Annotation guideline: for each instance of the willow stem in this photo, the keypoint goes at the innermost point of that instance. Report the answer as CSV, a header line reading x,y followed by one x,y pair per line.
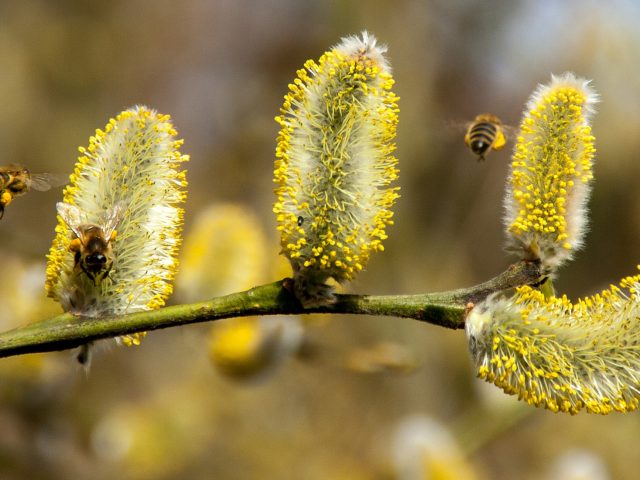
x,y
446,309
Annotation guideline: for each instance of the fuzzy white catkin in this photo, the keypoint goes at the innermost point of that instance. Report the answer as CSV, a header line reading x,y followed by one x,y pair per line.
x,y
335,164
134,163
551,173
562,355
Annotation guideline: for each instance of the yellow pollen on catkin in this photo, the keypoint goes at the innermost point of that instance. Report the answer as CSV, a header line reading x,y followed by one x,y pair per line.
x,y
134,166
551,173
334,164
559,355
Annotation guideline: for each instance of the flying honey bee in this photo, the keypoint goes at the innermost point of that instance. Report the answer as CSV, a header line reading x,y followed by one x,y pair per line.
x,y
92,250
16,180
484,134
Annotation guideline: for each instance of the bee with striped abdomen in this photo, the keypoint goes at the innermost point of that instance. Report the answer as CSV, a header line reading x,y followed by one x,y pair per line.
x,y
91,246
484,134
16,180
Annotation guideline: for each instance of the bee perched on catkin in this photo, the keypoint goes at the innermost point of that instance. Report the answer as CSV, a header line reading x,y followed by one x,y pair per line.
x,y
334,165
551,173
120,222
560,355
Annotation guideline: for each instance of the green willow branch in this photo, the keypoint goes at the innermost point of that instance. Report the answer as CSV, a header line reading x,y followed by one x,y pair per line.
x,y
446,309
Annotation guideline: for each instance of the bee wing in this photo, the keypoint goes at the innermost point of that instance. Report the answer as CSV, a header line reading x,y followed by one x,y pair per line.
x,y
454,127
510,131
112,218
45,181
72,216
12,168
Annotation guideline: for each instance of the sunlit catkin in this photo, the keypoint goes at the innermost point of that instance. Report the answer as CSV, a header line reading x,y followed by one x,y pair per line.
x,y
551,173
132,168
334,165
560,355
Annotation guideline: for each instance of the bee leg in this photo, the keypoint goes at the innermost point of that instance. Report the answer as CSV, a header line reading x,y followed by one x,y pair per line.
x,y
74,246
107,274
76,258
84,355
88,273
5,198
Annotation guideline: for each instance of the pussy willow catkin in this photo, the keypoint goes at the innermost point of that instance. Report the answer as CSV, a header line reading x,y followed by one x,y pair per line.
x,y
132,166
551,173
560,355
334,165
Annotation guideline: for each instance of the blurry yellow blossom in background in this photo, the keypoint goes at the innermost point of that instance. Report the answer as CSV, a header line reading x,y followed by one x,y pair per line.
x,y
23,301
225,251
424,449
246,347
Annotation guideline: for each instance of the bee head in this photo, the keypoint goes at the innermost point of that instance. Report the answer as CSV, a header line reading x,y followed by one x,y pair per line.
x,y
96,266
95,261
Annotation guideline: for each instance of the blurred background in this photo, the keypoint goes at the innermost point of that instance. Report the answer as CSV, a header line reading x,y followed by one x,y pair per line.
x,y
321,397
